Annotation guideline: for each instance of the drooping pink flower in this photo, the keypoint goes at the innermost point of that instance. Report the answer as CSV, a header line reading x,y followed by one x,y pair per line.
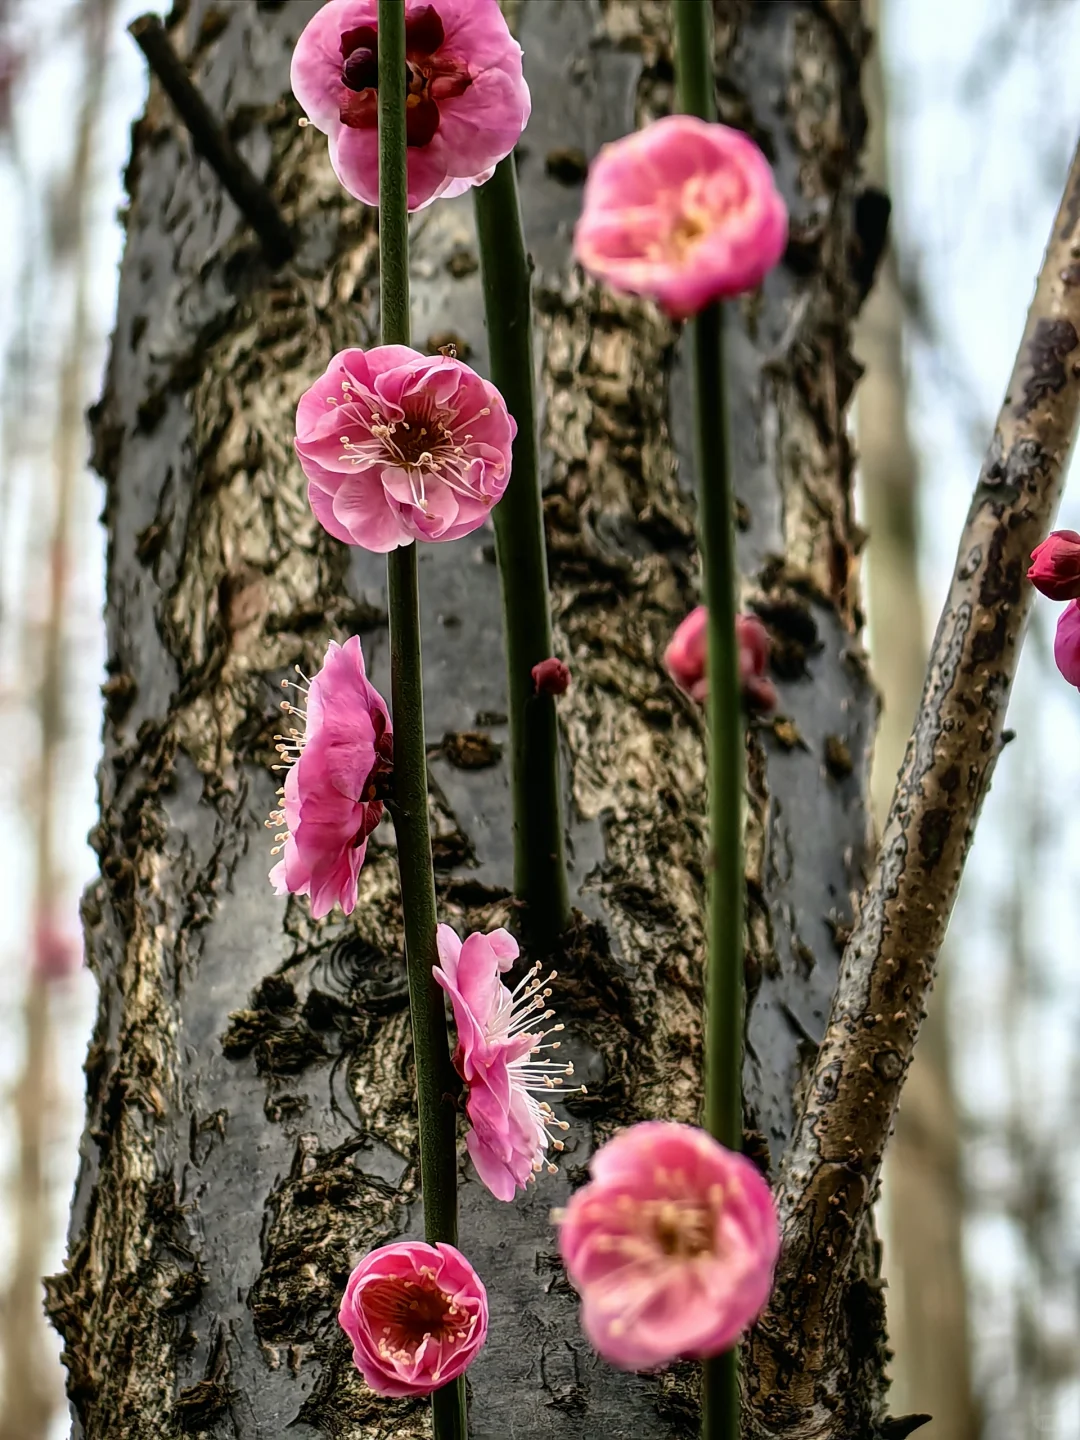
x,y
1055,570
1067,643
686,658
509,1138
683,211
399,446
467,100
671,1246
339,767
551,677
417,1316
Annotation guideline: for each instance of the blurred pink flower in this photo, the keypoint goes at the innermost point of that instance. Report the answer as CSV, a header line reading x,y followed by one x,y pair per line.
x,y
671,1246
1056,568
417,1316
754,645
551,677
338,771
683,211
1067,643
467,100
509,1136
686,658
58,952
399,446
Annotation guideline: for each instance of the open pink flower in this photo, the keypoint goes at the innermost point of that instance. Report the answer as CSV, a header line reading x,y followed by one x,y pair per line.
x,y
671,1246
509,1138
686,658
683,211
1067,643
399,446
1055,569
332,796
417,1316
467,100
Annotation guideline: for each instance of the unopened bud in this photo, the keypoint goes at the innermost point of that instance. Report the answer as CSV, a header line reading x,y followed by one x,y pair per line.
x,y
551,677
1055,570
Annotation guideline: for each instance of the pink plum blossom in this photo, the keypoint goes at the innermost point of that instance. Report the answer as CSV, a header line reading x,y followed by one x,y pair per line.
x,y
417,1316
1067,643
467,100
686,658
1055,569
497,1039
671,1246
684,211
339,767
399,446
551,677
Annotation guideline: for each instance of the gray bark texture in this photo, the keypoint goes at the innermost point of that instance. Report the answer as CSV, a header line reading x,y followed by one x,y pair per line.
x,y
250,1127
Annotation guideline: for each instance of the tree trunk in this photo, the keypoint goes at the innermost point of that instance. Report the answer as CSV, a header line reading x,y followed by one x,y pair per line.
x,y
250,1116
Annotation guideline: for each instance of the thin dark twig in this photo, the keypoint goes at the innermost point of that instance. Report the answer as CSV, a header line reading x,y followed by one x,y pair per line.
x,y
253,199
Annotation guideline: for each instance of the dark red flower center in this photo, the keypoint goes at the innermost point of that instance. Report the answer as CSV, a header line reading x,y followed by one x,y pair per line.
x,y
429,77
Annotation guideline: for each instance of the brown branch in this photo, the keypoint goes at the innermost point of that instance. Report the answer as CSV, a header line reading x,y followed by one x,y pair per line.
x,y
208,136
801,1366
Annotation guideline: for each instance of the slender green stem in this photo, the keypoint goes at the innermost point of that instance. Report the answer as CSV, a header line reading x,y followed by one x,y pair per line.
x,y
431,1054
539,861
724,961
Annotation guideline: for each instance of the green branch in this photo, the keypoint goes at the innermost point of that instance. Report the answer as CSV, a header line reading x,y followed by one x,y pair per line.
x,y
724,1003
539,862
434,1075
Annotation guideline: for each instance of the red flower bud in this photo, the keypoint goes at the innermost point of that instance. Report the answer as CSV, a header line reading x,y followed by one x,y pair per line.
x,y
1056,568
551,677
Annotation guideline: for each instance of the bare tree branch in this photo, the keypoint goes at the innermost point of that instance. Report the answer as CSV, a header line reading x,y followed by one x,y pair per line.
x,y
830,1172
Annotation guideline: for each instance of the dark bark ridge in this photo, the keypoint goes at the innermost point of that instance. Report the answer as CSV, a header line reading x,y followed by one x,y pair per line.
x,y
250,1119
830,1172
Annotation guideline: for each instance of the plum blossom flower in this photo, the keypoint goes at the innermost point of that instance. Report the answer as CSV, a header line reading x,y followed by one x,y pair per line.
x,y
1055,570
417,1316
686,658
399,446
683,211
551,676
338,770
467,101
497,1039
1067,643
671,1246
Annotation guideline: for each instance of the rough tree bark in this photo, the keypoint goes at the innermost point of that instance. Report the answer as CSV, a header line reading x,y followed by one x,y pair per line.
x,y
250,1125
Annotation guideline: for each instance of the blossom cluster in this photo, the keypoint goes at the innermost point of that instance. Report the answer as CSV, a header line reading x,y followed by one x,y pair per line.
x,y
672,1242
